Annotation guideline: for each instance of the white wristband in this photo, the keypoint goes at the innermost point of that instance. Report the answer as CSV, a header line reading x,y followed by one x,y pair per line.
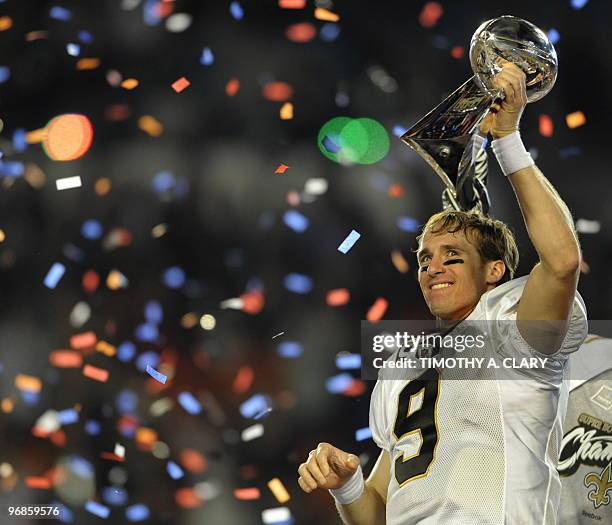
x,y
511,154
351,490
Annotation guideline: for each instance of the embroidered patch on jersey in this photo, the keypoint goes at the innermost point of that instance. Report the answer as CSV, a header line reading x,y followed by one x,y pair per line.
x,y
602,483
589,443
603,398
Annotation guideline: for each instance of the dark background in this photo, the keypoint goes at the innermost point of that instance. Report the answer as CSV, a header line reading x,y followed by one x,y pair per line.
x,y
224,217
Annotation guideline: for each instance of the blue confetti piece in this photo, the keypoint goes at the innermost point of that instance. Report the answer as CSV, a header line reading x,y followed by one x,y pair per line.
x,y
553,35
329,32
68,416
126,351
298,283
55,273
151,13
127,402
92,427
399,131
255,405
5,74
296,221
138,512
73,49
20,142
331,143
174,470
348,361
146,332
174,277
92,229
149,357
60,13
349,242
164,181
85,36
73,253
578,4
236,11
158,376
189,403
116,496
65,514
362,434
97,509
407,224
29,397
338,383
11,168
289,349
207,58
81,467
154,312
263,414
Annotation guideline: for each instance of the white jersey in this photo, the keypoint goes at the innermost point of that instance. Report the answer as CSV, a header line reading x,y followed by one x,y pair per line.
x,y
585,458
468,447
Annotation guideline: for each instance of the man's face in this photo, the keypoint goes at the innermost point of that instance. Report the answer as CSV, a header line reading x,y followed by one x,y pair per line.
x,y
452,275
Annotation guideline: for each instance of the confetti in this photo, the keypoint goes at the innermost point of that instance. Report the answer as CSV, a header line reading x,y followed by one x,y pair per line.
x,y
189,403
68,416
174,471
193,461
578,4
408,224
338,297
5,74
73,49
6,22
325,15
178,22
95,373
586,226
68,183
236,11
150,125
277,335
36,482
553,35
546,126
252,432
129,84
97,509
60,13
55,273
346,361
398,260
286,111
338,383
180,84
277,91
28,383
292,4
232,87
457,52
276,516
289,349
316,186
296,221
255,404
158,376
207,58
349,242
301,33
278,489
377,310
362,434
247,494
430,14
298,283
282,168
328,33
575,119
83,341
138,512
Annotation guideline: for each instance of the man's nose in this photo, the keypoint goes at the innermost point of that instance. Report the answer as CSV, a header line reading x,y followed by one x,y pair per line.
x,y
435,267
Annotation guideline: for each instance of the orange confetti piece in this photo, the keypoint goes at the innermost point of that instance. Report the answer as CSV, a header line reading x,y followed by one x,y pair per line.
x,y
66,359
58,438
90,281
301,33
338,297
7,405
430,14
292,4
377,310
189,320
150,125
247,493
356,388
325,15
95,373
146,437
37,482
102,186
129,83
36,136
575,119
457,52
278,489
106,348
282,168
68,137
232,87
277,91
286,111
36,35
180,84
193,461
399,261
546,126
85,64
395,191
83,341
243,380
28,383
116,280
6,22
187,498
252,302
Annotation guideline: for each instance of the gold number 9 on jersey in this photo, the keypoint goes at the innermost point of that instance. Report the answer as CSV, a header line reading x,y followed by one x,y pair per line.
x,y
417,424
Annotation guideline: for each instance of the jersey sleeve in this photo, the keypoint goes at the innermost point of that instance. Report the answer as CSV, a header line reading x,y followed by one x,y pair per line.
x,y
379,418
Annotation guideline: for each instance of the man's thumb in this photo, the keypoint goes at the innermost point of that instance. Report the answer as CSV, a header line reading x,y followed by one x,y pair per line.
x,y
351,462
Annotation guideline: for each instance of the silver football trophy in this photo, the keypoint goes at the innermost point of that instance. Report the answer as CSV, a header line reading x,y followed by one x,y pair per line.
x,y
445,136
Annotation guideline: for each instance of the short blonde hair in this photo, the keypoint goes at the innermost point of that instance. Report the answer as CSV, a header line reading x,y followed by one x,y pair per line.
x,y
494,240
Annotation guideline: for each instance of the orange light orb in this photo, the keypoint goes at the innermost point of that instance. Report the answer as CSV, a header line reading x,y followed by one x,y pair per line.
x,y
68,137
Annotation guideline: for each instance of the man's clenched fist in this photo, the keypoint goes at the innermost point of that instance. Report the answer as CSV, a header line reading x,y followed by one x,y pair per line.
x,y
327,467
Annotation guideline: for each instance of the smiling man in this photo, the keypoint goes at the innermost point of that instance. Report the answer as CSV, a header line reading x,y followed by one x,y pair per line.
x,y
480,445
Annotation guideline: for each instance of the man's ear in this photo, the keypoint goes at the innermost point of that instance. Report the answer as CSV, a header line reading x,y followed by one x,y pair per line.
x,y
495,271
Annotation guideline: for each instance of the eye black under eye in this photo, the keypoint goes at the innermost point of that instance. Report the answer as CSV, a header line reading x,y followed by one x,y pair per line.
x,y
424,268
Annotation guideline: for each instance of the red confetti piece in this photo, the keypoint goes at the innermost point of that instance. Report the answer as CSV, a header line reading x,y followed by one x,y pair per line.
x,y
282,168
277,91
457,52
193,461
58,438
244,379
338,297
546,126
66,359
83,341
180,84
395,191
187,498
377,310
430,14
90,281
301,33
252,302
95,373
37,482
292,4
111,456
356,388
247,494
232,87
